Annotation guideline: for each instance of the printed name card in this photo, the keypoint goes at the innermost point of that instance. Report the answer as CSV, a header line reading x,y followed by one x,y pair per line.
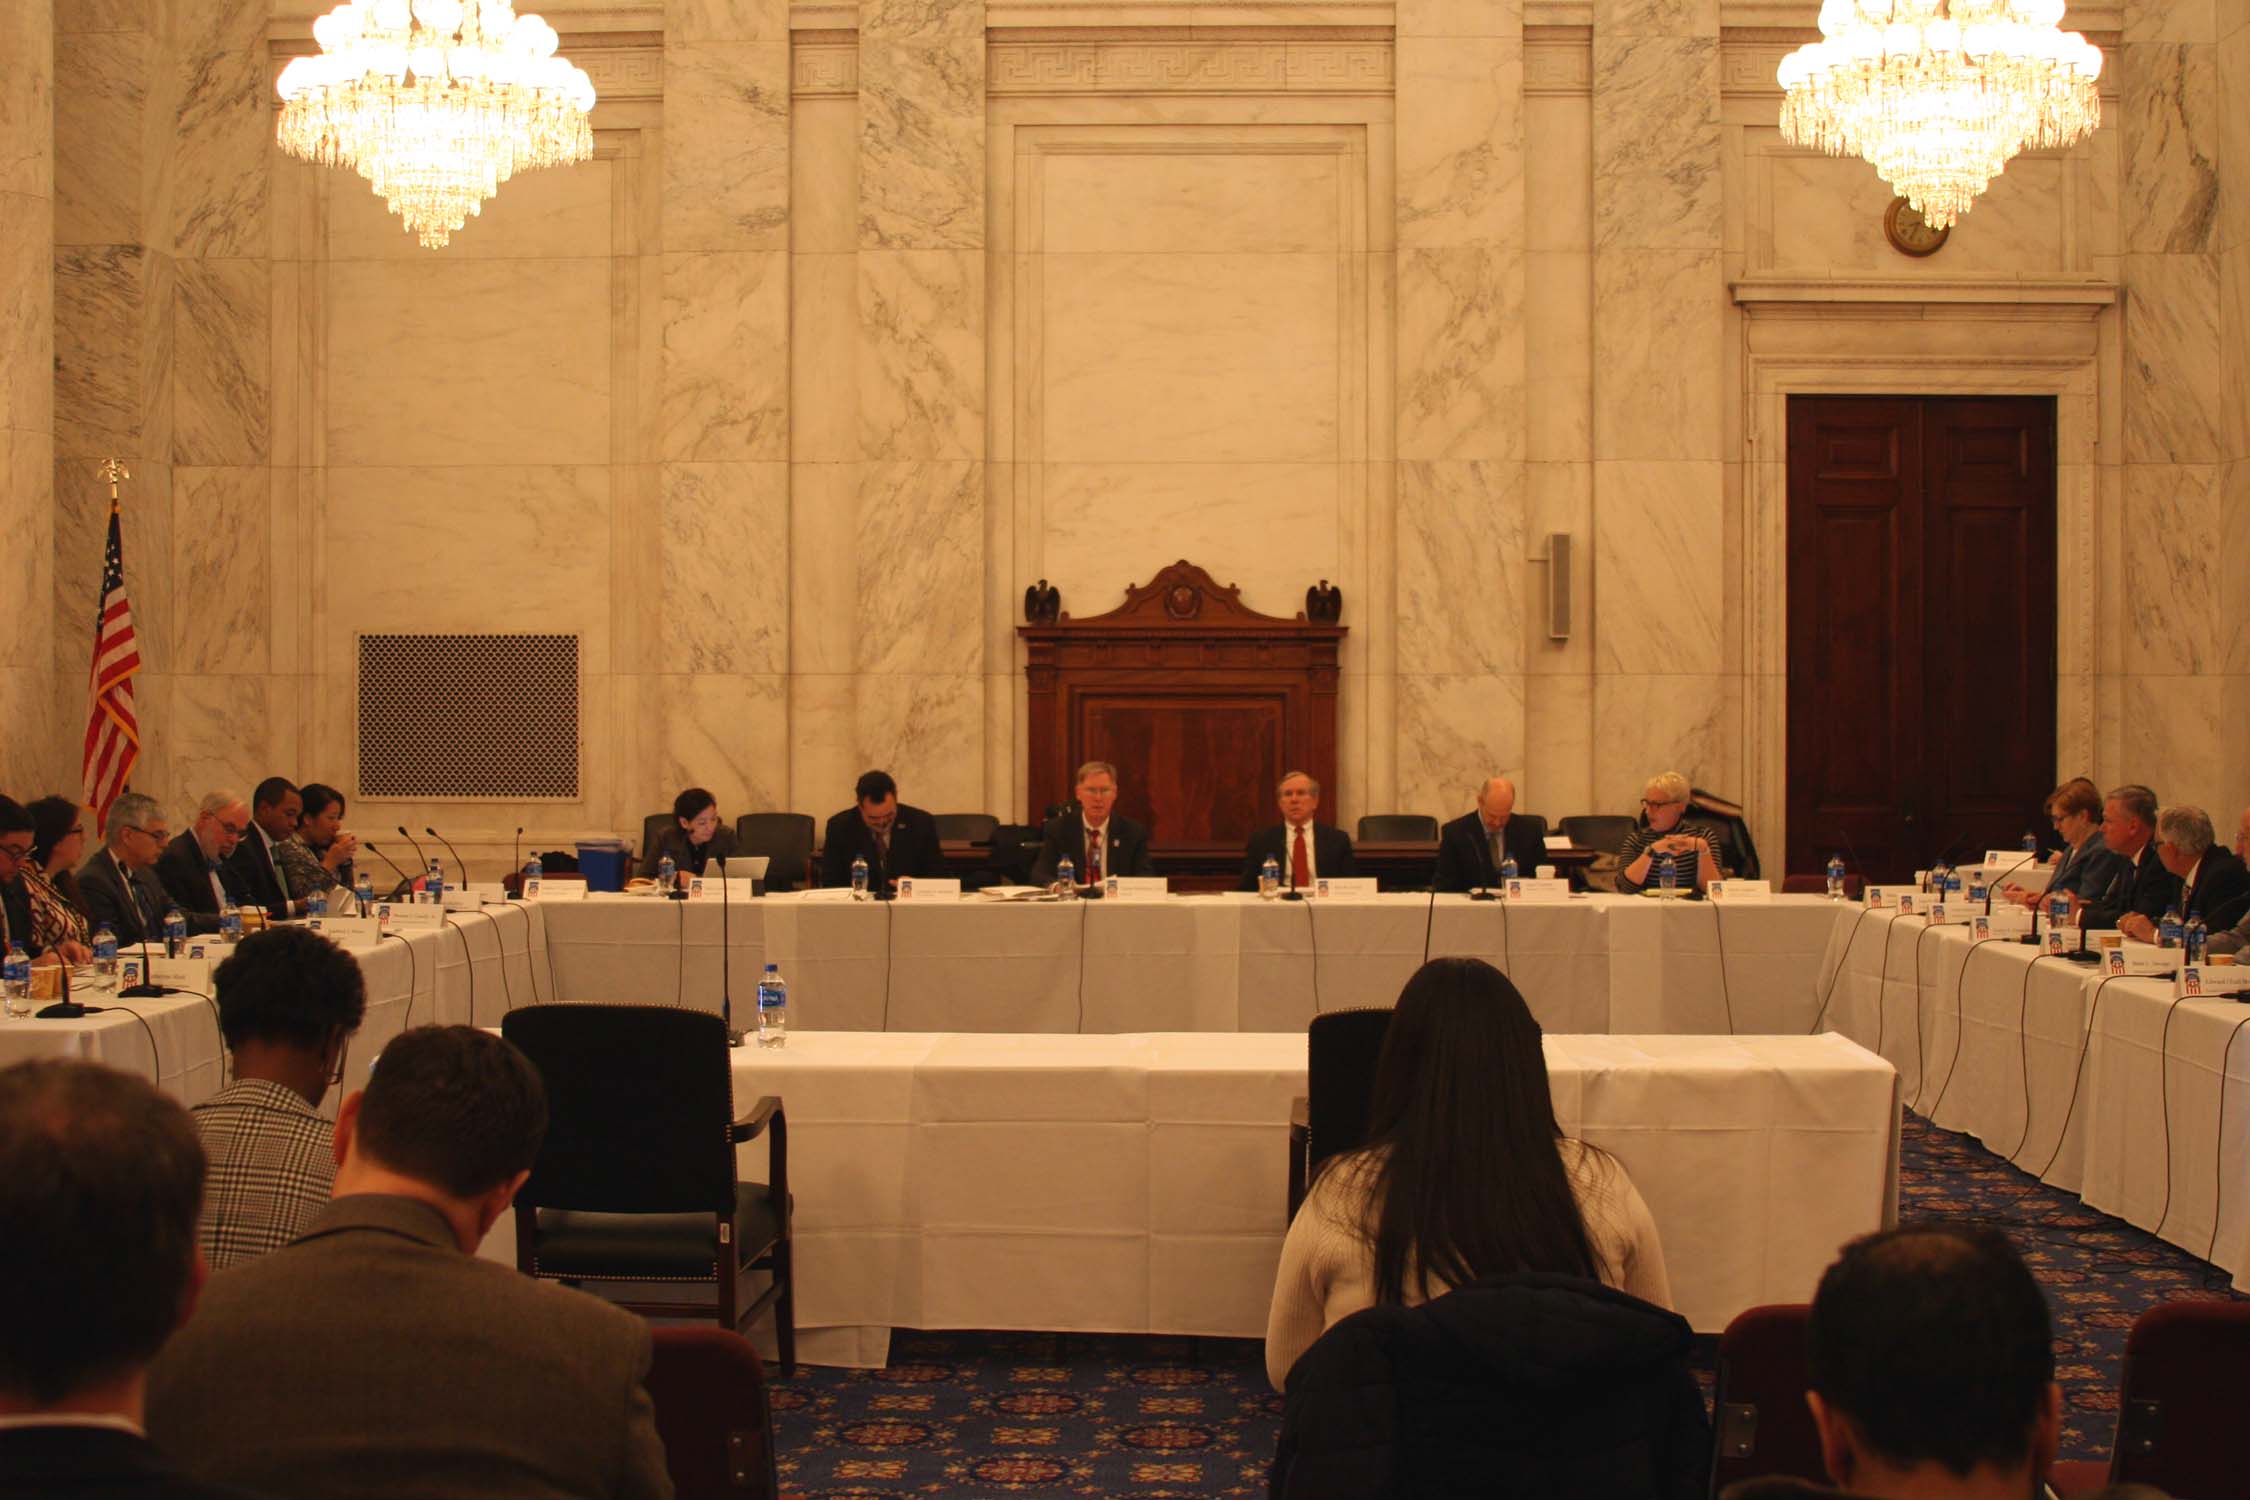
x,y
133,967
2212,981
1136,888
543,889
2000,922
2121,955
1742,891
457,900
928,888
1559,842
1342,888
1947,913
1881,897
1537,892
354,933
402,916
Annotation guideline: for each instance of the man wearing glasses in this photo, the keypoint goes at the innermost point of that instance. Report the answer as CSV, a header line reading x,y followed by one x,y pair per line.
x,y
194,865
118,886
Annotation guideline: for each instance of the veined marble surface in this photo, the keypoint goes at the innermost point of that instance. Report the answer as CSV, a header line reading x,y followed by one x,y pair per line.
x,y
726,388
2174,102
726,146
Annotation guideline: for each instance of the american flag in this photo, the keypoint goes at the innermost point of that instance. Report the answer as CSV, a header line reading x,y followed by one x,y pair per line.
x,y
113,735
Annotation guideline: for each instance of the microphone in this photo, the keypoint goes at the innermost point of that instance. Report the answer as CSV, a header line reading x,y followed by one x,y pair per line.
x,y
1943,856
1992,886
726,956
405,881
422,858
147,989
516,857
457,859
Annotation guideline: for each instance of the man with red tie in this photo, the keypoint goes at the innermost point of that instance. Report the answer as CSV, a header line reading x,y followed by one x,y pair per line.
x,y
1096,843
1304,849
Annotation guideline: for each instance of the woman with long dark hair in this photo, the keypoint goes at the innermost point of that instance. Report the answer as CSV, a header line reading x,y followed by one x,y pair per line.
x,y
50,875
1465,1174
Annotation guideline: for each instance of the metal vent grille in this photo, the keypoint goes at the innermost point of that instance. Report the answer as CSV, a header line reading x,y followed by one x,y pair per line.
x,y
468,716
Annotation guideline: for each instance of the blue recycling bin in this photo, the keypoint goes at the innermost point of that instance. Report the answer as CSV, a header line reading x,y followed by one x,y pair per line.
x,y
602,862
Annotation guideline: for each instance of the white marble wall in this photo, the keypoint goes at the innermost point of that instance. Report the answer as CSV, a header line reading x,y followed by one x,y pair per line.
x,y
2233,535
31,758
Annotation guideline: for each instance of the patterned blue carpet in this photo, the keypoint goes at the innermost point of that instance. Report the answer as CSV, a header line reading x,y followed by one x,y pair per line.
x,y
1045,1416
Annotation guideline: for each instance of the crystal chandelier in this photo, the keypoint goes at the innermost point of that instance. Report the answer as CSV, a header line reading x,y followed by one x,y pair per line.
x,y
1939,94
435,102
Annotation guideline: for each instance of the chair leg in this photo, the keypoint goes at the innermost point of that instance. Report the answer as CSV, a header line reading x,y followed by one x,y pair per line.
x,y
785,1305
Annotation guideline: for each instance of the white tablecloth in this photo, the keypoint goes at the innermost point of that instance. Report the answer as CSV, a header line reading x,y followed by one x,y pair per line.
x,y
1229,963
1132,1183
2105,1087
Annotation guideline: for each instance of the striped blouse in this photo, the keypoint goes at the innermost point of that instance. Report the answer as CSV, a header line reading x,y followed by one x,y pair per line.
x,y
1638,841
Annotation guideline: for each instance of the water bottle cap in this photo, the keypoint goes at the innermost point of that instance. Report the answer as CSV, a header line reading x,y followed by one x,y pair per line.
x,y
772,968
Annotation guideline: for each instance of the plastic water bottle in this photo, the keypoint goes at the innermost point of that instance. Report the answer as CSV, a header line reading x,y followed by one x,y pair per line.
x,y
1939,874
1066,878
1978,890
105,958
230,920
433,885
859,878
15,979
1835,877
1507,868
1668,875
773,1008
316,904
1952,883
533,869
2030,844
175,932
365,893
2198,938
2169,932
667,875
1269,879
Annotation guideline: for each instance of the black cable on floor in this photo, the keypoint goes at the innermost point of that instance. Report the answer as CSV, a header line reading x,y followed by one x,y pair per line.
x,y
2218,1146
2164,1094
1083,907
1726,991
468,960
888,915
156,1058
1844,962
1312,937
500,952
413,978
2078,1073
1961,1025
1429,921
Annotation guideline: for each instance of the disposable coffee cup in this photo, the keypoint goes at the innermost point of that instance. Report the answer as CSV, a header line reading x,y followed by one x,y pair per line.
x,y
1546,872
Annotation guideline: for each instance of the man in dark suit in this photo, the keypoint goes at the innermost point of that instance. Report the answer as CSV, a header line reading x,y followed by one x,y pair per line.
x,y
2211,876
893,838
254,869
1471,847
101,1180
463,1378
1305,850
193,866
2141,885
1096,844
118,886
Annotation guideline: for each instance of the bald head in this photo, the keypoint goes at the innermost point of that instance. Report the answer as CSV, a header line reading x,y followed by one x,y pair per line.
x,y
1495,800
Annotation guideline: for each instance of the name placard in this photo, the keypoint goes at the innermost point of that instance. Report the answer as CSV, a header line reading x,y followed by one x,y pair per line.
x,y
554,890
397,916
2204,981
179,973
1345,888
1880,897
2121,955
1742,891
1560,842
2001,922
357,933
1136,888
928,888
463,900
1536,892
1947,913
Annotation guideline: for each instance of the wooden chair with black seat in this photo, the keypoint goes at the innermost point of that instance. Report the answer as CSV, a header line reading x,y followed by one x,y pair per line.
x,y
965,828
711,1411
636,1186
786,839
1604,833
1340,1051
1398,828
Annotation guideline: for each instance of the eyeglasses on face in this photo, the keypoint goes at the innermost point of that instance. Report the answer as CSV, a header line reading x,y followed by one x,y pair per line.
x,y
17,851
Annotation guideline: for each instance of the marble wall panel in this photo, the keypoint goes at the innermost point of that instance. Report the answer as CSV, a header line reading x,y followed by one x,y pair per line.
x,y
2234,134
32,309
27,510
1559,363
823,750
824,175
926,729
1558,758
1827,217
921,354
555,213
726,146
1658,18
27,115
2172,359
2174,20
101,300
725,541
1659,319
223,599
98,138
2234,347
1462,363
2234,582
222,357
919,603
1460,142
1558,173
222,132
1454,730
1272,529
1659,586
824,335
921,140
2171,593
1461,568
2174,734
222,733
729,732
1656,142
726,20
824,543
1645,724
2170,125
468,362
1205,203
1460,18
726,382
31,736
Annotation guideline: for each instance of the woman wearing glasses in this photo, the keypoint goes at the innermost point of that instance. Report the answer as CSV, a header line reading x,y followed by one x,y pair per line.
x,y
58,842
1666,829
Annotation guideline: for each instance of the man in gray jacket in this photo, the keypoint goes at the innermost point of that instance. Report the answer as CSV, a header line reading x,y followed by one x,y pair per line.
x,y
377,1356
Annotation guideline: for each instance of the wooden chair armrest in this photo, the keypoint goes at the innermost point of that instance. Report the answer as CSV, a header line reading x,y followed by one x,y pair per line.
x,y
1300,1114
762,1114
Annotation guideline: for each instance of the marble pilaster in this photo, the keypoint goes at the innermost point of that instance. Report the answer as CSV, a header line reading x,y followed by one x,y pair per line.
x,y
30,758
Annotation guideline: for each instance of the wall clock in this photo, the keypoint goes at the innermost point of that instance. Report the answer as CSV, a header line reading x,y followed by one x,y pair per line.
x,y
1903,226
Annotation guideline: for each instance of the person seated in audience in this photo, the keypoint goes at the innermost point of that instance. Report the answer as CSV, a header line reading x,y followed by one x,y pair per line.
x,y
119,885
1096,843
695,837
459,1376
1465,1174
2085,863
193,867
1933,1372
1472,847
318,857
254,869
100,1179
21,921
1667,829
58,843
2211,876
2140,884
893,838
1303,849
289,1001
2242,837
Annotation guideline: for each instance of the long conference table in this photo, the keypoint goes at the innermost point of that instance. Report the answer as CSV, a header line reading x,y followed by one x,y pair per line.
x,y
1074,1115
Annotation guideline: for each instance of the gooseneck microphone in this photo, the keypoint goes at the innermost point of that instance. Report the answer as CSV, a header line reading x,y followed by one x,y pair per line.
x,y
457,859
405,881
516,858
726,956
147,989
421,856
1992,885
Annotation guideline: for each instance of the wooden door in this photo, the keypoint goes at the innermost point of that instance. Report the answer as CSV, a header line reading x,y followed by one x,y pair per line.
x,y
1921,626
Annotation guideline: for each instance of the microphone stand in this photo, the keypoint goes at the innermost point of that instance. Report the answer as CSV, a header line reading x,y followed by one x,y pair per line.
x,y
65,1009
405,881
515,865
1992,886
147,989
457,859
726,956
420,854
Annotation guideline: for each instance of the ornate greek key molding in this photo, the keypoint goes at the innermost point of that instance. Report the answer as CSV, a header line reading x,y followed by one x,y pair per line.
x,y
824,65
1558,60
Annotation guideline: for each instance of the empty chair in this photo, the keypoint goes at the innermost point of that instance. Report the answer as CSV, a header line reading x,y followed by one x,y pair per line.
x,y
2186,1365
1764,1426
652,829
1341,1047
1817,885
1398,828
966,828
711,1411
1603,833
636,1180
786,839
